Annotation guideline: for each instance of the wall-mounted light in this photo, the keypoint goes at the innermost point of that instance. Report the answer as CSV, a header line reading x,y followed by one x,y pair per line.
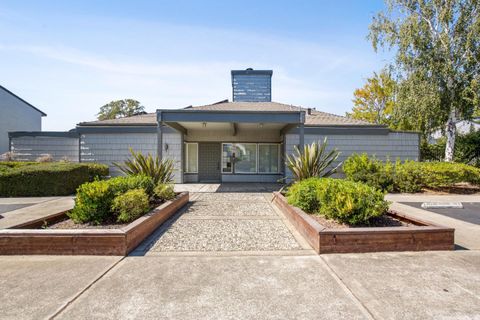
x,y
261,125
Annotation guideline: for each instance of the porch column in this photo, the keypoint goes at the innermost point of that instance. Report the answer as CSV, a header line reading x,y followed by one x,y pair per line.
x,y
301,131
159,135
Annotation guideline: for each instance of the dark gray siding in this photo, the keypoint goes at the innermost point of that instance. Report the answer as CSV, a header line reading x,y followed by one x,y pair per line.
x,y
252,87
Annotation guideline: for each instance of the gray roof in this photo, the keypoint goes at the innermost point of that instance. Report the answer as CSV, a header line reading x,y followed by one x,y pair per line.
x,y
148,119
316,118
26,102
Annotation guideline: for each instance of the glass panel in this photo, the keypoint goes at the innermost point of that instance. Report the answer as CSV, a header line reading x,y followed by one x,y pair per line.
x,y
227,156
246,158
191,155
268,158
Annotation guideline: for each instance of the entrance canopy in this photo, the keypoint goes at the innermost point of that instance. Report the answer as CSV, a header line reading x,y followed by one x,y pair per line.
x,y
181,120
186,120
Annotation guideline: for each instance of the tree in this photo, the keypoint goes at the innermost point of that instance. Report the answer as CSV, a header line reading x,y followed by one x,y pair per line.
x,y
437,44
119,109
375,101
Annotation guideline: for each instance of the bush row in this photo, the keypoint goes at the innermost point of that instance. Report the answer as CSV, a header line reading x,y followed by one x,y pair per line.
x,y
121,199
342,200
408,176
31,179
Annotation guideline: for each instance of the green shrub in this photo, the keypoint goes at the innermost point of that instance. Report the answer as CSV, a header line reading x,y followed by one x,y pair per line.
x,y
467,148
342,200
164,192
27,179
130,205
124,183
445,174
370,170
408,177
303,194
94,200
432,151
312,161
350,202
160,170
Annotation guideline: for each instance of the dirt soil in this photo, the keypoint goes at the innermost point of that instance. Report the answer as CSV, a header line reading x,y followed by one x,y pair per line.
x,y
383,221
458,188
69,224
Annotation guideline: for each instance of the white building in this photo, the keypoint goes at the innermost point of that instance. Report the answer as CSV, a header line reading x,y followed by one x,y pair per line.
x,y
463,127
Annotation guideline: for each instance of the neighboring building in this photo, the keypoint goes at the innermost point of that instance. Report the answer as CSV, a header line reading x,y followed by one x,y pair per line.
x,y
241,141
463,127
16,114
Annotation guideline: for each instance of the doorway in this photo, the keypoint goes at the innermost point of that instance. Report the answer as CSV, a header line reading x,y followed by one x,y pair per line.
x,y
209,155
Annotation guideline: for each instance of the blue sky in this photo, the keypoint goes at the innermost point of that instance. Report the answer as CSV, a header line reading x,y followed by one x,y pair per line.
x,y
70,57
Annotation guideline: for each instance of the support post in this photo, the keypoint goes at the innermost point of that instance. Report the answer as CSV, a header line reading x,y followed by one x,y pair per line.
x,y
301,140
159,135
301,131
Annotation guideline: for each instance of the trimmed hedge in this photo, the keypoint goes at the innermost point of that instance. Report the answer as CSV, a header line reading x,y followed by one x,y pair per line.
x,y
408,176
342,200
95,199
32,179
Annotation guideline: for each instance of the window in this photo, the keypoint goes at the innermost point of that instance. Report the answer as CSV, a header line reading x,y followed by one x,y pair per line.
x,y
268,158
250,158
246,158
227,158
191,157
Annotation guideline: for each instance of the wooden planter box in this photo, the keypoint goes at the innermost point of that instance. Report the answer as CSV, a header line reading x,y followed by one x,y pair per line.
x,y
115,242
420,237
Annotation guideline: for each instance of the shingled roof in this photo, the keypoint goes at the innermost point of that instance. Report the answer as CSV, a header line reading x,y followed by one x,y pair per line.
x,y
316,118
147,119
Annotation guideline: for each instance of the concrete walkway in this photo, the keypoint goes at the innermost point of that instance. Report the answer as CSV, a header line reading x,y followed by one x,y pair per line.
x,y
420,285
245,269
20,210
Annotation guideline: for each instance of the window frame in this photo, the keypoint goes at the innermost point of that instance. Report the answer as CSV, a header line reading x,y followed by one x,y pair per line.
x,y
186,157
233,169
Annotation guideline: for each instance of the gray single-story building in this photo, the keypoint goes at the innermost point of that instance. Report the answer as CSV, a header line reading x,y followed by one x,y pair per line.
x,y
16,114
244,140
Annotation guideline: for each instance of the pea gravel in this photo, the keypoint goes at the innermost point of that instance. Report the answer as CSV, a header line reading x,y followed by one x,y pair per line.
x,y
234,208
226,235
220,221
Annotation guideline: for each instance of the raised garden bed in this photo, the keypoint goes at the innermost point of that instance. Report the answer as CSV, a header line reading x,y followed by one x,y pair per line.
x,y
26,239
411,234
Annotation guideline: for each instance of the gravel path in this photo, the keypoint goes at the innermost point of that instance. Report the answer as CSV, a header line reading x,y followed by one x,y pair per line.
x,y
223,222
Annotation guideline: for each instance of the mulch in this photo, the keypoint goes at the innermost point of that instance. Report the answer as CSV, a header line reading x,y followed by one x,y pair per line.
x,y
69,224
458,188
382,221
